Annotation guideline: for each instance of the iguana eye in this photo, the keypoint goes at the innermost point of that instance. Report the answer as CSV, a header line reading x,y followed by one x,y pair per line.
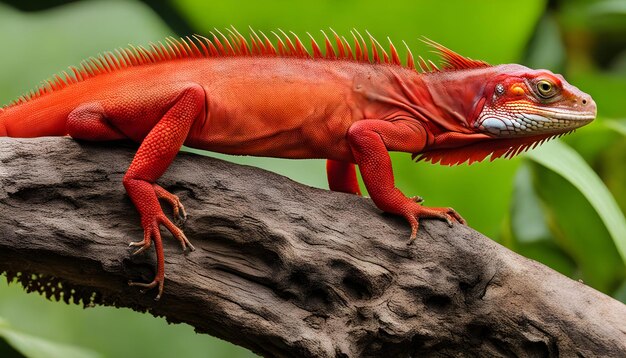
x,y
546,89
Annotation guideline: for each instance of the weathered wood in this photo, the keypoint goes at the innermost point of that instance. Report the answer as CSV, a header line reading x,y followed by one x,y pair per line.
x,y
284,269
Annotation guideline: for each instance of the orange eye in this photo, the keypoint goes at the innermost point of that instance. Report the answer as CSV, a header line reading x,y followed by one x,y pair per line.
x,y
517,90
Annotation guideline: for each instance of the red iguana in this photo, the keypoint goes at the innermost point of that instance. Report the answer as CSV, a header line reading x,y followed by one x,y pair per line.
x,y
348,104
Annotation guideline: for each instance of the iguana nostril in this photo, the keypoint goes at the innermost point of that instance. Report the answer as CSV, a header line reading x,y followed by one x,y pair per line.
x,y
584,101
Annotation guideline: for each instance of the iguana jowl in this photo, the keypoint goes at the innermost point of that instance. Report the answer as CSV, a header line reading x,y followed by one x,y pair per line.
x,y
348,104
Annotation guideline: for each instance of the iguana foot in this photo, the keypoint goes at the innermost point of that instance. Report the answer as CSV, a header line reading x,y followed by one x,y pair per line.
x,y
145,196
152,233
416,211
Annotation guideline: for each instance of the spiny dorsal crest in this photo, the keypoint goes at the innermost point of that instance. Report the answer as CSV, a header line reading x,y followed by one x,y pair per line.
x,y
452,60
233,43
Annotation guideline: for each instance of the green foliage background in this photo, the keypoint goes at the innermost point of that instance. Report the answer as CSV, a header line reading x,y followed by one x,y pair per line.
x,y
560,205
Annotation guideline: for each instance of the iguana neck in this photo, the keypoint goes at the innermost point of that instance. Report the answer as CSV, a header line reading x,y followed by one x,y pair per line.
x,y
443,102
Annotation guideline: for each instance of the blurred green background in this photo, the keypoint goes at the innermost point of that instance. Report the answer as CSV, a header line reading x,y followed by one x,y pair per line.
x,y
559,205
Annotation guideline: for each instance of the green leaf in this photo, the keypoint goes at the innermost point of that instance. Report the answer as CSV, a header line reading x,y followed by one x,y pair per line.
x,y
526,208
617,125
564,161
620,293
35,347
609,7
534,240
546,48
577,229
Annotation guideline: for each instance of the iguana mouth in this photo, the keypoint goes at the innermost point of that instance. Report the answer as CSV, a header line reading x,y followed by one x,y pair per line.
x,y
531,121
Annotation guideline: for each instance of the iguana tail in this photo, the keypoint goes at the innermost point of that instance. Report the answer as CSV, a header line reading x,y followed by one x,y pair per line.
x,y
38,118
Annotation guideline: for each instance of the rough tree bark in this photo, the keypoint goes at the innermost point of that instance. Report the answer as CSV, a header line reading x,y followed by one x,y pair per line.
x,y
284,269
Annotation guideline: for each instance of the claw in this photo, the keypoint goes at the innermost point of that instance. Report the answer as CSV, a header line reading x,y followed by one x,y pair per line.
x,y
144,245
418,199
183,215
191,247
148,286
140,250
136,243
180,215
414,227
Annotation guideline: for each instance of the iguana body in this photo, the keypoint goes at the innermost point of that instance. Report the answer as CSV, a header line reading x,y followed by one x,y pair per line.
x,y
255,99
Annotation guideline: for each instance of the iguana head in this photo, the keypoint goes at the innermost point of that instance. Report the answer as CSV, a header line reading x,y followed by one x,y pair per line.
x,y
521,102
483,110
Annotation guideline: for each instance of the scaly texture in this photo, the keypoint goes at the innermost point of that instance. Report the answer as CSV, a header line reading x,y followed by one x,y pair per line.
x,y
350,105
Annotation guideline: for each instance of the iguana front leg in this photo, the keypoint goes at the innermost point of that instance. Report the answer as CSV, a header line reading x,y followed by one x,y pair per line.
x,y
155,154
370,141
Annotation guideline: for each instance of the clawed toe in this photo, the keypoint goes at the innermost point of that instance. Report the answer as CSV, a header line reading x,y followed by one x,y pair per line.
x,y
180,215
458,217
191,247
147,286
178,234
449,215
143,246
416,212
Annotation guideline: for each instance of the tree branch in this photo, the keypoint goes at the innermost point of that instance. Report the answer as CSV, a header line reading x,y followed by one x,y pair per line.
x,y
284,269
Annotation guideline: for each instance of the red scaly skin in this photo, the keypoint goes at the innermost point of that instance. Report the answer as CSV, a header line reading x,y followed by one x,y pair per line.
x,y
342,177
283,103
